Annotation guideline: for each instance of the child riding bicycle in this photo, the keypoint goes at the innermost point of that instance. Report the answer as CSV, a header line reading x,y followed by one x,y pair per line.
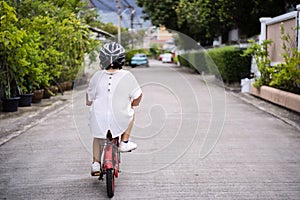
x,y
112,93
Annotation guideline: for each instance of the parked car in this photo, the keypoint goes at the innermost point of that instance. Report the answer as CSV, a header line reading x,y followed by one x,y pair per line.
x,y
160,57
139,59
167,58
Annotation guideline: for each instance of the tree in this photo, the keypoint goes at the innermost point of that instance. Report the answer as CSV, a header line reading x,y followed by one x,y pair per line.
x,y
160,12
246,15
11,51
205,19
56,38
110,28
164,12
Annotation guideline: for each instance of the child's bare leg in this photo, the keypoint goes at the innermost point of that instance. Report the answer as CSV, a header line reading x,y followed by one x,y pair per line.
x,y
98,145
125,136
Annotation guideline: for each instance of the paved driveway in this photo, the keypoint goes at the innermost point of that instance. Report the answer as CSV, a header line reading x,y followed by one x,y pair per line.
x,y
195,141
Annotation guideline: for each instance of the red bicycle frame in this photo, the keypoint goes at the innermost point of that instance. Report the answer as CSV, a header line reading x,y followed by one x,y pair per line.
x,y
110,164
111,156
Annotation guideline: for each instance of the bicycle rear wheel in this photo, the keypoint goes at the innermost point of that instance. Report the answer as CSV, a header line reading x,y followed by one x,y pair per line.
x,y
110,183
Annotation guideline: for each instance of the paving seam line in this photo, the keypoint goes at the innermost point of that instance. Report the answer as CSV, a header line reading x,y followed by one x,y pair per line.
x,y
52,110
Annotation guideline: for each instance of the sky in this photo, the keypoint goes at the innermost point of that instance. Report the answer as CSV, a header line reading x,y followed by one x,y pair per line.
x,y
108,12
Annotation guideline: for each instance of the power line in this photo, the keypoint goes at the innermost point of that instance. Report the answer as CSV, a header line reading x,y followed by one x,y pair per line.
x,y
138,22
93,4
107,6
125,22
123,4
128,4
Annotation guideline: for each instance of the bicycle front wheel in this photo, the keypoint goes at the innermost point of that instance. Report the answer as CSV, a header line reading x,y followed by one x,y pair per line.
x,y
110,183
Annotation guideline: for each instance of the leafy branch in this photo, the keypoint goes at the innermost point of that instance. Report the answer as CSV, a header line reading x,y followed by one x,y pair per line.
x,y
262,60
284,76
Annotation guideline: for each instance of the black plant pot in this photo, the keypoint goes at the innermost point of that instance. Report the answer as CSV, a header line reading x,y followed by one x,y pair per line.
x,y
73,84
25,100
10,105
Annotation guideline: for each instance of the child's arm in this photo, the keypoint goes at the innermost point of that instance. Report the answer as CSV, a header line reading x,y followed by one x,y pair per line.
x,y
87,102
137,101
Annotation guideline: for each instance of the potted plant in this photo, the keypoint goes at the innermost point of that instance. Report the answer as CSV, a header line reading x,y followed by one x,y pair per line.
x,y
37,95
25,100
36,75
12,57
25,94
53,89
10,102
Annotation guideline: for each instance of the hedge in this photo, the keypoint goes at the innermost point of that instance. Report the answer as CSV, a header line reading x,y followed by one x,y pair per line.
x,y
226,62
183,60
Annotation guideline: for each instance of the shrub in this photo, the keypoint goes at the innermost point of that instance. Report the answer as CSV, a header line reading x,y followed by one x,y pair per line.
x,y
261,56
198,60
155,50
183,59
225,63
287,76
175,59
284,76
230,63
12,51
46,42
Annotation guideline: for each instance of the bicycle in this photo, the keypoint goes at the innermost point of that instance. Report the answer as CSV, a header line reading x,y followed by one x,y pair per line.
x,y
110,163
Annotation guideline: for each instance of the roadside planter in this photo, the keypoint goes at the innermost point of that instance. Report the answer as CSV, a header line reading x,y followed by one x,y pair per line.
x,y
54,89
69,85
286,99
25,100
10,105
37,96
63,85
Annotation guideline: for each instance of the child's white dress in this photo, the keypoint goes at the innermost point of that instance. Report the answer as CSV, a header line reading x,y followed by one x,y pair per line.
x,y
112,94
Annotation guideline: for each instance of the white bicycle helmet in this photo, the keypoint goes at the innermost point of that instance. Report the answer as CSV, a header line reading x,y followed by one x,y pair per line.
x,y
112,55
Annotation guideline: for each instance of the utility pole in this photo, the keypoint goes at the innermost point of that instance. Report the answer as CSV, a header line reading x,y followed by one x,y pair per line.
x,y
119,21
131,24
131,17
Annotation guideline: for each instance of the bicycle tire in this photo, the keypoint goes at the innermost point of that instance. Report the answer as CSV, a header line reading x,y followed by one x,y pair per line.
x,y
110,183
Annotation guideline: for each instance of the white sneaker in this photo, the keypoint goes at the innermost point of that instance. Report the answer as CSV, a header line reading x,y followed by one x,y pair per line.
x,y
95,169
127,147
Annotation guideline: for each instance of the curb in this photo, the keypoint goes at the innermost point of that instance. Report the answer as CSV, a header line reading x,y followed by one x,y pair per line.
x,y
247,99
277,111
